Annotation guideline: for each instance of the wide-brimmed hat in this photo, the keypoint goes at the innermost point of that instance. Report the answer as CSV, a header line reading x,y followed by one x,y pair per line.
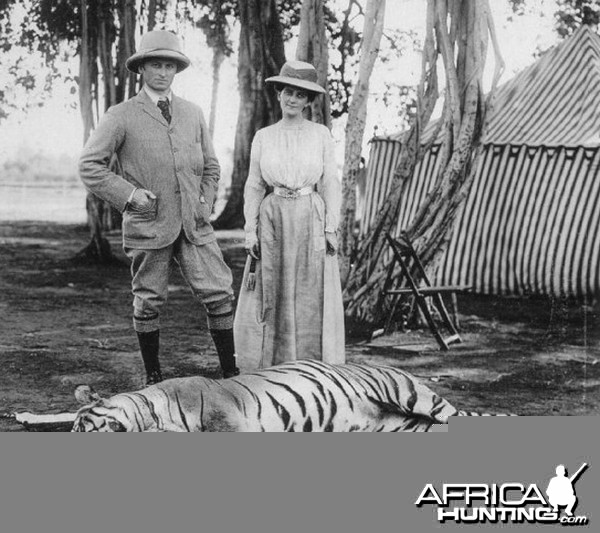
x,y
158,44
298,74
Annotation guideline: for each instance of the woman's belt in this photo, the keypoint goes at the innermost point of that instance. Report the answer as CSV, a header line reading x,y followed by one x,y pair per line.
x,y
293,193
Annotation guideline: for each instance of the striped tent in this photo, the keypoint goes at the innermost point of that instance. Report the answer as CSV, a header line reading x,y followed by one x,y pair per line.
x,y
531,221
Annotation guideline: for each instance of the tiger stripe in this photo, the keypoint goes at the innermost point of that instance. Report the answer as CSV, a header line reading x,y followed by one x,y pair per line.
x,y
302,396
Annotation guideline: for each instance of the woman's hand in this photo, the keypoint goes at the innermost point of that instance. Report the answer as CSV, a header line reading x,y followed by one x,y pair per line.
x,y
253,246
332,242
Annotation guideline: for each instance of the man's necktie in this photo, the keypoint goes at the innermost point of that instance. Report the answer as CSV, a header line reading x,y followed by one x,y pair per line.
x,y
163,105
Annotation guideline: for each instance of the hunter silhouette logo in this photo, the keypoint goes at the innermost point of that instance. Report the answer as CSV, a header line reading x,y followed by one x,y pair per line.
x,y
560,489
477,503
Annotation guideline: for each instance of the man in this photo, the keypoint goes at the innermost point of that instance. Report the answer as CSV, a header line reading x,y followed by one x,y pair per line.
x,y
560,491
168,183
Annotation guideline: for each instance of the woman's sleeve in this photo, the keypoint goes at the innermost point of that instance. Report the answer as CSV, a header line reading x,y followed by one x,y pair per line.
x,y
254,191
329,185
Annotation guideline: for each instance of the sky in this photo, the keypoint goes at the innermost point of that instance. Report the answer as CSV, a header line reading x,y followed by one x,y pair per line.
x,y
55,129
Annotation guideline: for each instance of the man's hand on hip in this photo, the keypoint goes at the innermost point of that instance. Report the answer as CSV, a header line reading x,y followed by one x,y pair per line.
x,y
142,200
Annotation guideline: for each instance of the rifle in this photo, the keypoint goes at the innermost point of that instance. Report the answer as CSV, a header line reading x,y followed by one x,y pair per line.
x,y
576,474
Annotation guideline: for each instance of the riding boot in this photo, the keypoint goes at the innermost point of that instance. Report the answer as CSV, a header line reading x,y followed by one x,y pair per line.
x,y
149,346
223,339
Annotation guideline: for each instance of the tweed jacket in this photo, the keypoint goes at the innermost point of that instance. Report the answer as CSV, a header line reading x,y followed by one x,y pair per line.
x,y
175,161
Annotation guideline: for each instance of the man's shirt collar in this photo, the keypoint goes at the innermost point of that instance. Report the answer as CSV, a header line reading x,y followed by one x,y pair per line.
x,y
155,97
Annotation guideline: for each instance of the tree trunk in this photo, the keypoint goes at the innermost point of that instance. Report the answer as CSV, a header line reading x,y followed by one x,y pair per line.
x,y
362,291
97,44
312,48
86,59
463,47
109,218
217,61
151,14
216,30
126,87
430,230
355,129
106,38
261,54
98,250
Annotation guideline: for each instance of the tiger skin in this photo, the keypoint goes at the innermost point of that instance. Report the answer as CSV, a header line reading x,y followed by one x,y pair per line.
x,y
300,396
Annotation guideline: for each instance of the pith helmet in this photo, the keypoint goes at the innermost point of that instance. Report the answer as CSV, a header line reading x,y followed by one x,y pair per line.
x,y
158,44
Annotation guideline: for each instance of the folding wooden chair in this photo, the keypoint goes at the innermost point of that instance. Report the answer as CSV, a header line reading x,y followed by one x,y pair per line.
x,y
409,261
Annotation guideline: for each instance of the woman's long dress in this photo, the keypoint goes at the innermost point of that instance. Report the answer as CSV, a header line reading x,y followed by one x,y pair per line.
x,y
295,310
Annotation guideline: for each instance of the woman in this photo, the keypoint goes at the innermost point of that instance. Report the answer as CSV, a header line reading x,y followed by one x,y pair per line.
x,y
290,304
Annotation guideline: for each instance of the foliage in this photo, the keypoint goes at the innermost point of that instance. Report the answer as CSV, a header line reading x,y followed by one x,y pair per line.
x,y
214,18
397,97
572,14
215,26
344,39
36,41
517,6
49,25
344,61
289,15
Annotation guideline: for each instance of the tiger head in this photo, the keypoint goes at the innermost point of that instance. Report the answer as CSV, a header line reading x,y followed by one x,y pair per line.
x,y
99,414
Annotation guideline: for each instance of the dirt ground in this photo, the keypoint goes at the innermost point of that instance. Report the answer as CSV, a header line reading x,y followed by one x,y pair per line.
x,y
64,324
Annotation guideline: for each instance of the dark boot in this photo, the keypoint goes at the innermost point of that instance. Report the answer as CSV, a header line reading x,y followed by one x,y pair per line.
x,y
149,345
232,374
223,339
